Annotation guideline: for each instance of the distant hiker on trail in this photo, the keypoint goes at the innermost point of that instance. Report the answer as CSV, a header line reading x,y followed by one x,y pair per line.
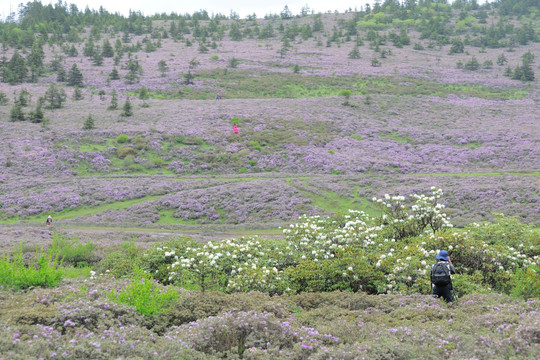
x,y
218,96
49,221
235,129
440,276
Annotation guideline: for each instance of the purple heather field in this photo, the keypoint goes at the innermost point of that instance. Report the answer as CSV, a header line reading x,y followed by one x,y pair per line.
x,y
414,122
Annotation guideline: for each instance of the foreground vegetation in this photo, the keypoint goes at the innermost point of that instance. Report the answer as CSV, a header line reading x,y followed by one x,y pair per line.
x,y
321,291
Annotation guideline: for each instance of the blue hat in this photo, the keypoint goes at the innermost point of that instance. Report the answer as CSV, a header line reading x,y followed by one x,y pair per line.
x,y
442,255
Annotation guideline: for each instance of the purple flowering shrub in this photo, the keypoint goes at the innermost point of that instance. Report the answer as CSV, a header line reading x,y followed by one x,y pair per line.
x,y
248,334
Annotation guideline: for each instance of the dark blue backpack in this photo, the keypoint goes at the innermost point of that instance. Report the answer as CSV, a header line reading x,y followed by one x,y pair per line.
x,y
440,274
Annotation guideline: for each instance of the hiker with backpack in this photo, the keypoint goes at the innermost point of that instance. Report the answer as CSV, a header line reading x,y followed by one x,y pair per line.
x,y
441,276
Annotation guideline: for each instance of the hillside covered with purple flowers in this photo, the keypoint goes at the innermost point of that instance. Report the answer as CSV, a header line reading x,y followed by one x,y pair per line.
x,y
274,187
117,121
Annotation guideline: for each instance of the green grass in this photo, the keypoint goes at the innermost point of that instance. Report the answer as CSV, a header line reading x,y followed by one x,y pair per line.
x,y
166,218
76,272
466,174
334,203
394,136
81,211
248,84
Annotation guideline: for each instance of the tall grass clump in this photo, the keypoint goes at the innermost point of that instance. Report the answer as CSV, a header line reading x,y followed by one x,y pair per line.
x,y
148,297
72,252
41,271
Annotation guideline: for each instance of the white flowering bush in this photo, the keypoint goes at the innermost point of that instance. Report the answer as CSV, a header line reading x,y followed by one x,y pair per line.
x,y
402,220
392,253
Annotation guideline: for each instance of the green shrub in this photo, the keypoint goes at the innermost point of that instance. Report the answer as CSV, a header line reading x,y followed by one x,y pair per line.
x,y
126,151
120,262
526,283
41,271
122,138
72,251
148,297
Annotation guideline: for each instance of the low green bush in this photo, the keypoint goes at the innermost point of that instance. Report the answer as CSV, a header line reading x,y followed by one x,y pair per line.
x,y
41,271
72,252
526,283
148,297
122,139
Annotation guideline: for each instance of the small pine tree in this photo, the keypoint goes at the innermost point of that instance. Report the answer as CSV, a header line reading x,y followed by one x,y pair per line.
x,y
97,59
37,116
89,123
75,77
17,113
114,101
355,53
162,67
108,50
55,97
77,94
3,98
502,60
114,75
127,109
61,74
24,98
188,78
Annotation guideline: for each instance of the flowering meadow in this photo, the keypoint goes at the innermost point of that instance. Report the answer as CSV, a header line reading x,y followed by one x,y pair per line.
x,y
364,143
321,291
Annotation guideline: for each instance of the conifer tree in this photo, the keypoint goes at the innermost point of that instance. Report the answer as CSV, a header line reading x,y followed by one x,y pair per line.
x,y
77,94
114,101
37,116
16,69
127,109
114,74
55,97
16,113
108,51
89,123
89,47
75,77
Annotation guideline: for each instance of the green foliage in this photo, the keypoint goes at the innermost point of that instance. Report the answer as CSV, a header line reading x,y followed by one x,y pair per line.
x,y
16,113
233,62
125,152
114,101
121,262
3,98
148,297
355,53
122,139
16,69
127,109
346,94
472,64
526,283
71,251
41,271
89,123
163,68
77,94
75,77
55,97
37,115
